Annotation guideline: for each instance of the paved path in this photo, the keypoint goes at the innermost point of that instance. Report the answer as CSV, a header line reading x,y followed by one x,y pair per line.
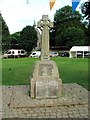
x,y
16,103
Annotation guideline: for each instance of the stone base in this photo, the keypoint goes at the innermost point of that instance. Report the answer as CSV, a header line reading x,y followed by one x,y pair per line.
x,y
73,103
72,95
45,82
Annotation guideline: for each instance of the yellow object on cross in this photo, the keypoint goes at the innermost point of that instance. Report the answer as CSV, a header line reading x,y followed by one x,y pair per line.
x,y
51,3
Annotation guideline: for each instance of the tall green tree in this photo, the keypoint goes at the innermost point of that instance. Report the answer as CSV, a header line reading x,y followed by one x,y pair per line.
x,y
5,34
28,38
73,36
15,40
63,19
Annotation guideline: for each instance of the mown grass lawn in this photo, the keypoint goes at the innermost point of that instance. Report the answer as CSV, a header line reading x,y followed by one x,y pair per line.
x,y
74,70
18,71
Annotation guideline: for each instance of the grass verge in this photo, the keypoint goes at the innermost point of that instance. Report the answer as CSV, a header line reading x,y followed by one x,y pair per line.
x,y
18,71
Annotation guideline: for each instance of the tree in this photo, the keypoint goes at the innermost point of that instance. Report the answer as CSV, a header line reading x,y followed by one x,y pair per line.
x,y
63,19
15,40
73,37
5,34
28,38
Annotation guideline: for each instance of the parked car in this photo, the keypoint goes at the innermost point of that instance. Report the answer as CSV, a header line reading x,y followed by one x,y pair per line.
x,y
87,54
14,53
79,54
64,54
53,54
35,54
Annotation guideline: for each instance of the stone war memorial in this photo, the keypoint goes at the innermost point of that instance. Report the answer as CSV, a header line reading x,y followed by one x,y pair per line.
x,y
45,82
45,96
48,98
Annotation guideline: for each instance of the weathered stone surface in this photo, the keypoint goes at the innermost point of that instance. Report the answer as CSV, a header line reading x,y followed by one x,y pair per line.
x,y
46,89
45,82
44,108
45,69
44,24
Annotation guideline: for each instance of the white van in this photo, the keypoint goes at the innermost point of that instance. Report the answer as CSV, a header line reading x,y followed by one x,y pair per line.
x,y
36,54
14,53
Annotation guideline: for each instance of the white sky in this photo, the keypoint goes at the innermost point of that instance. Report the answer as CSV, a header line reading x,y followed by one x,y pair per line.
x,y
18,14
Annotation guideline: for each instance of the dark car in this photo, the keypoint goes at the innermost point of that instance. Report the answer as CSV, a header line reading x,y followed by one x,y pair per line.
x,y
64,54
87,55
79,54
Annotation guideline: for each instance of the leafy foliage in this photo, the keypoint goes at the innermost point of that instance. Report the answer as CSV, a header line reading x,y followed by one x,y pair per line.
x,y
28,38
73,36
15,39
5,34
63,19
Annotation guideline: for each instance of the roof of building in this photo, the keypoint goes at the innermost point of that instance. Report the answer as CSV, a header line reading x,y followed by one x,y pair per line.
x,y
80,48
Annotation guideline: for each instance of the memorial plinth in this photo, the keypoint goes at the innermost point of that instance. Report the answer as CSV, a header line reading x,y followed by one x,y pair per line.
x,y
45,82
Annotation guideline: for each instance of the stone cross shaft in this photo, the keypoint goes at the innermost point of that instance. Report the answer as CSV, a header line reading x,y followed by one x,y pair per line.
x,y
44,25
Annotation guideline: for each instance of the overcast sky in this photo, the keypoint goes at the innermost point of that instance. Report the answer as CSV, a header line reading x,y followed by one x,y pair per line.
x,y
18,14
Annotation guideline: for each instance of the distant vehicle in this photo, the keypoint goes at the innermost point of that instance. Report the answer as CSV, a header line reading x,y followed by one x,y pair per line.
x,y
14,53
35,54
79,54
87,54
53,54
64,54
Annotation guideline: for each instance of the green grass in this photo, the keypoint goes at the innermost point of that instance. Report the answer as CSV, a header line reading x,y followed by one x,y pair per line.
x,y
73,70
18,71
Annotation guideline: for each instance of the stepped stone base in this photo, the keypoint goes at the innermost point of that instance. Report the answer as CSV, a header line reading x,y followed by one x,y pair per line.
x,y
73,104
45,82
